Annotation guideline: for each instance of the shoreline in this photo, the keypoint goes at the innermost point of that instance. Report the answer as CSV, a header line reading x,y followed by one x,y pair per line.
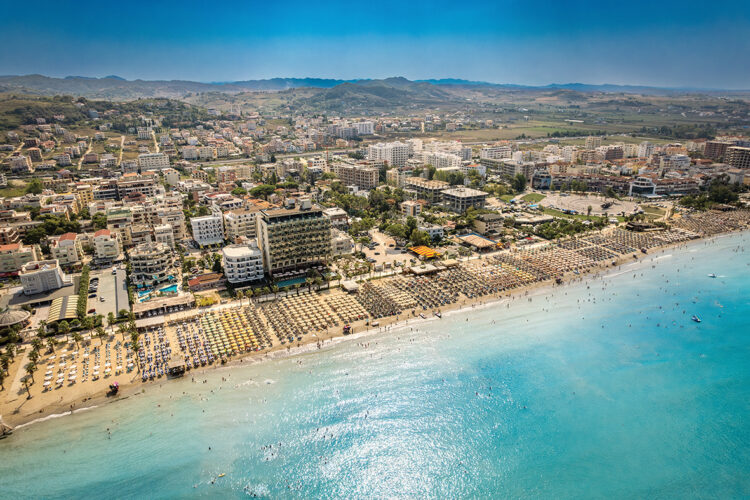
x,y
318,343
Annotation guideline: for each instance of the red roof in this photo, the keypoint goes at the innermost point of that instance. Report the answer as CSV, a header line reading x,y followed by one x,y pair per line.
x,y
68,236
102,232
12,246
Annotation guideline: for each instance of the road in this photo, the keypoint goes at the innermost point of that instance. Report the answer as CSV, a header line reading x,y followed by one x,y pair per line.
x,y
122,146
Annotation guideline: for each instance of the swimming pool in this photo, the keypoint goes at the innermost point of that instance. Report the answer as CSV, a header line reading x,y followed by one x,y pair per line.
x,y
169,289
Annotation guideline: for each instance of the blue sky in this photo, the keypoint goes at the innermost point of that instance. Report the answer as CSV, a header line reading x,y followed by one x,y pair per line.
x,y
665,43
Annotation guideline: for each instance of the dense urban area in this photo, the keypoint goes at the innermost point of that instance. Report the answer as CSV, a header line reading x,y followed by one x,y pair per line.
x,y
143,237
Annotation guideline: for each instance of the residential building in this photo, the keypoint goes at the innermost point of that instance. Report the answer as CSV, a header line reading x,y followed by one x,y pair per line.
x,y
411,208
394,153
293,239
425,189
715,150
164,234
15,255
459,199
365,178
341,243
240,223
67,249
242,263
153,161
338,216
151,263
738,157
171,176
41,276
209,229
107,246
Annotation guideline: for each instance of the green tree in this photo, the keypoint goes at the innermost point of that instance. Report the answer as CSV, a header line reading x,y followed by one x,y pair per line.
x,y
519,183
34,186
64,328
419,238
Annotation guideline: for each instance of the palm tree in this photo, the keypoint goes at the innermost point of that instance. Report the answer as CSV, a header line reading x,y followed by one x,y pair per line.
x,y
275,289
4,362
34,356
240,295
309,282
25,381
134,347
64,328
318,282
296,287
51,343
101,334
77,337
110,319
30,367
2,380
37,344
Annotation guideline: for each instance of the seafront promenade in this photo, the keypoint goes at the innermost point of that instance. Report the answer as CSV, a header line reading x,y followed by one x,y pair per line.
x,y
73,376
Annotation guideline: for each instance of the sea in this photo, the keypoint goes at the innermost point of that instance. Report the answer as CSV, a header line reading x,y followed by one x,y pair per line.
x,y
601,388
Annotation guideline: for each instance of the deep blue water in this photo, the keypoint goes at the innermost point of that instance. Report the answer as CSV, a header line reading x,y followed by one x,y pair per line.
x,y
603,388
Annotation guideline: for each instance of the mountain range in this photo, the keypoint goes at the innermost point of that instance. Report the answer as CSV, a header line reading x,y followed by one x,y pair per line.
x,y
118,88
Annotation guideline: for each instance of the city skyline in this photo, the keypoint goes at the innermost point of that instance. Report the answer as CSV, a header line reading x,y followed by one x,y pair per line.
x,y
673,44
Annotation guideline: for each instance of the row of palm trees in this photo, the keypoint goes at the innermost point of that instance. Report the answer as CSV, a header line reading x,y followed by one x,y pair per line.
x,y
266,290
51,342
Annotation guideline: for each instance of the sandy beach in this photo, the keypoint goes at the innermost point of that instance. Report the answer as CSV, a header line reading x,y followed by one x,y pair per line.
x,y
17,410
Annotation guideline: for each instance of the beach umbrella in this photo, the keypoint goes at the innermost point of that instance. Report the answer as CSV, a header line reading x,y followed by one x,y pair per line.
x,y
47,383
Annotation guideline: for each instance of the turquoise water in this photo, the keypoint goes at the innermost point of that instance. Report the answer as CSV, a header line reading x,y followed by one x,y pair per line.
x,y
170,288
605,388
291,282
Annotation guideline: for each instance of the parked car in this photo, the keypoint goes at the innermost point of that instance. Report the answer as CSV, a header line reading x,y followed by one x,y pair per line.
x,y
92,311
92,295
101,299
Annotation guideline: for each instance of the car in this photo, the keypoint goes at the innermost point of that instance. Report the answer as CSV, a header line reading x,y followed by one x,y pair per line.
x,y
92,311
377,253
92,295
114,271
101,299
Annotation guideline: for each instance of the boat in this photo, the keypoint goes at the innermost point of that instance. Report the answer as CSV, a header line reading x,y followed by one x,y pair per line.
x,y
421,315
438,314
712,275
222,474
696,318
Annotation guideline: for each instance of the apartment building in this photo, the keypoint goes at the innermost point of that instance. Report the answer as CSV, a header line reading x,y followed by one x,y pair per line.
x,y
171,176
496,152
42,276
716,150
15,255
151,263
242,263
411,208
394,153
67,249
738,157
165,235
432,191
107,246
209,229
240,223
293,239
460,199
365,178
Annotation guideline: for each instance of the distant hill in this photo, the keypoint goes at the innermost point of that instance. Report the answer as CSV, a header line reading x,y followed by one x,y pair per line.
x,y
376,95
364,92
111,87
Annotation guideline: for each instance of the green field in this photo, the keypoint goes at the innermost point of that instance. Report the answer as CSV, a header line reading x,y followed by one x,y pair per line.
x,y
533,197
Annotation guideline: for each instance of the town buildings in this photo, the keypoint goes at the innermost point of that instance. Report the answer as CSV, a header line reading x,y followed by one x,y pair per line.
x,y
293,239
459,199
42,276
209,229
15,255
242,263
151,263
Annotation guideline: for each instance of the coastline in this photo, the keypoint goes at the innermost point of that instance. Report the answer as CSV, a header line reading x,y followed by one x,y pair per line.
x,y
387,324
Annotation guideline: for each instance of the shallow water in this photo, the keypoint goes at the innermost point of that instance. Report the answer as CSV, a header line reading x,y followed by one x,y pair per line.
x,y
601,388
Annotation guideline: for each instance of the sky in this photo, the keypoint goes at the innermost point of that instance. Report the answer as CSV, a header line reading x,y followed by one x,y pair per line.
x,y
688,43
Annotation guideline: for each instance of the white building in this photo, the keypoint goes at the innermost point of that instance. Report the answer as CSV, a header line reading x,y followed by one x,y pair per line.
x,y
496,152
153,161
209,229
171,176
240,223
41,276
395,153
107,245
364,128
67,249
164,234
242,263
